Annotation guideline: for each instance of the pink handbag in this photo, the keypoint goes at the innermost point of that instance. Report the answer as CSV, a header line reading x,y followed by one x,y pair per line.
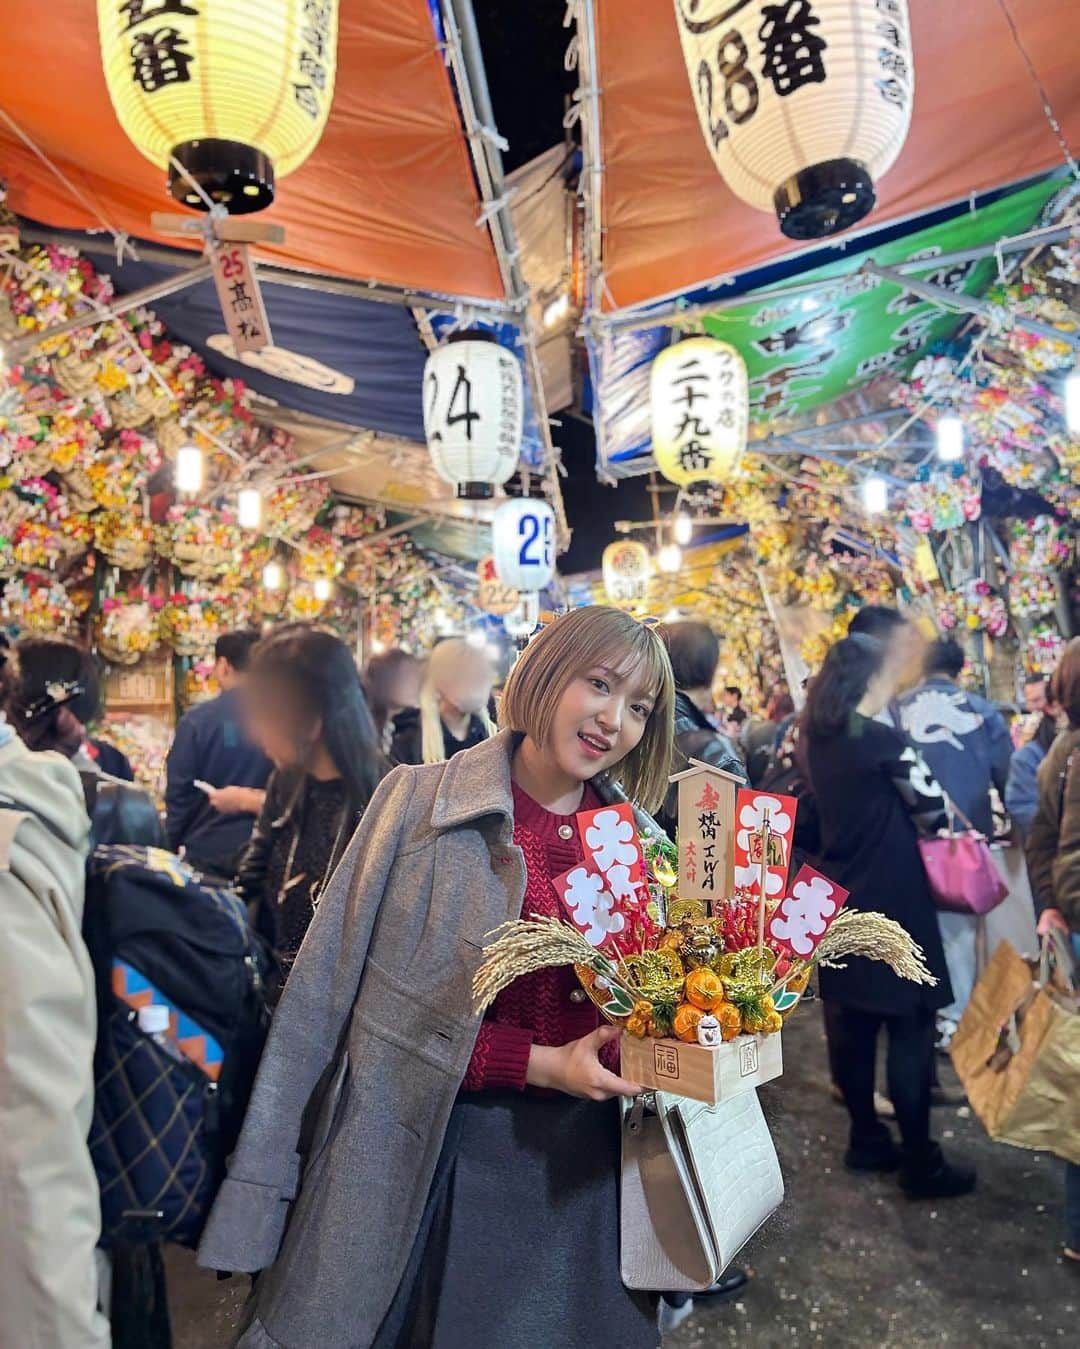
x,y
961,872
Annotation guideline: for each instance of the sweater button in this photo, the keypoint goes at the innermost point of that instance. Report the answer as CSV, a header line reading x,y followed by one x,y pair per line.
x,y
504,861
578,995
566,831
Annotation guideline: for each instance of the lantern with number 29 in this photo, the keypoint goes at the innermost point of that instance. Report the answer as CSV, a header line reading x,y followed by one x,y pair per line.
x,y
523,543
804,104
238,93
474,410
699,403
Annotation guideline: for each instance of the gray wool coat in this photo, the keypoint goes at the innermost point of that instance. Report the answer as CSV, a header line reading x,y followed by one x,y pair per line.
x,y
368,1049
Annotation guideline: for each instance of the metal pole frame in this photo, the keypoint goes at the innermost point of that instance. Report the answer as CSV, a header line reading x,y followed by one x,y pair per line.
x,y
466,64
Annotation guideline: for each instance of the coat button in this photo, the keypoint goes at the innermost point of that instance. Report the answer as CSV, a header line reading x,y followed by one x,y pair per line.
x,y
566,831
504,861
578,995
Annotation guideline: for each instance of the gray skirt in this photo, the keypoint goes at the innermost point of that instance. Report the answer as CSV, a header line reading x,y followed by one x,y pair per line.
x,y
519,1242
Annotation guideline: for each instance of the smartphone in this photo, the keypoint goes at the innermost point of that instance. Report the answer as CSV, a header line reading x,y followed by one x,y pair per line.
x,y
204,786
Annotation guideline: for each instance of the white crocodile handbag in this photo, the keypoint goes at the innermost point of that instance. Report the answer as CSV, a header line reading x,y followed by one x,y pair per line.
x,y
697,1182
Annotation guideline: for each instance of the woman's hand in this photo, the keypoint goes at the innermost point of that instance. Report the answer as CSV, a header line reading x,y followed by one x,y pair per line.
x,y
1050,919
576,1068
237,800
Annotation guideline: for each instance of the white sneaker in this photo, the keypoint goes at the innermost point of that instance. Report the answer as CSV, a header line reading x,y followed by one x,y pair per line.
x,y
669,1318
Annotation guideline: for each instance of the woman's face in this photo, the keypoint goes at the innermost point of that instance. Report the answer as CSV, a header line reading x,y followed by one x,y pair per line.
x,y
468,683
600,718
277,722
405,687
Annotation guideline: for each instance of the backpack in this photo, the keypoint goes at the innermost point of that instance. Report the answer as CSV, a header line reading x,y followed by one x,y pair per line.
x,y
164,1122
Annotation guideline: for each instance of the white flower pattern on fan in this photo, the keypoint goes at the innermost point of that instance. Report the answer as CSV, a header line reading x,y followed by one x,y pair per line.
x,y
805,915
611,840
590,906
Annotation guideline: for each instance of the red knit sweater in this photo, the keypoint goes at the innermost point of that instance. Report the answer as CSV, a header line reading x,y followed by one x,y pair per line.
x,y
547,1007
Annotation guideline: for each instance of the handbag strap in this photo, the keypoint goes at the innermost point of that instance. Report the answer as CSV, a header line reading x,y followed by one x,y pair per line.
x,y
951,810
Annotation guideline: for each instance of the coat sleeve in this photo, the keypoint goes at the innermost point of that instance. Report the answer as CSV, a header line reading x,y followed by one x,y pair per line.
x,y
247,1221
1066,866
1001,750
182,797
918,789
251,870
1021,786
1042,839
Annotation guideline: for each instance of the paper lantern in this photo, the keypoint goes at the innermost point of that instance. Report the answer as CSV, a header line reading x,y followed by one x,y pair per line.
x,y
700,404
474,409
803,104
626,567
522,621
238,92
523,543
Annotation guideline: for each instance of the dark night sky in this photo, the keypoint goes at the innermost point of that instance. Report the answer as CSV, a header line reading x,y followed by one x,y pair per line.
x,y
524,45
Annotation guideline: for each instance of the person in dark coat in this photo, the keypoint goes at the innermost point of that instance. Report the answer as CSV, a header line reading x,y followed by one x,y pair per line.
x,y
874,796
453,712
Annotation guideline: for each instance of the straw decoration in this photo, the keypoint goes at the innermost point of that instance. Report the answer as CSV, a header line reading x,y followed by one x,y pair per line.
x,y
854,933
530,944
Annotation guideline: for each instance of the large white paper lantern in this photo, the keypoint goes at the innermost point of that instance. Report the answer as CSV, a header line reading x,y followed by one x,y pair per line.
x,y
700,404
522,621
804,104
627,568
523,543
474,409
237,90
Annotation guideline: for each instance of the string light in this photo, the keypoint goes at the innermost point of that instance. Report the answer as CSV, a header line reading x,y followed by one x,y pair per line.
x,y
557,310
669,558
683,529
323,588
875,495
249,508
672,616
950,439
273,577
189,468
1072,402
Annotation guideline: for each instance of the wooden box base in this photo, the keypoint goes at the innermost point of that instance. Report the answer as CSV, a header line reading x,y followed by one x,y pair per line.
x,y
708,1075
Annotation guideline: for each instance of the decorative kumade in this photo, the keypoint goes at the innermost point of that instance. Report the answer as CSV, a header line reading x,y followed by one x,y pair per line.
x,y
699,406
237,93
39,604
202,542
191,624
124,540
627,568
128,626
523,543
803,106
474,409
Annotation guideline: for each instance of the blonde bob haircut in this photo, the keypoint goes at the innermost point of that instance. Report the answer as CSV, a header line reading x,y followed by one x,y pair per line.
x,y
568,648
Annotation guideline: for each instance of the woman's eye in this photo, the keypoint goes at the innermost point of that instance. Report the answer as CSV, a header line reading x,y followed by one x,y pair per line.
x,y
599,684
641,711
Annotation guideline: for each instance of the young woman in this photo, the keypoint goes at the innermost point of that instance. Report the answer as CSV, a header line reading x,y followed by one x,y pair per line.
x,y
306,708
455,1179
874,795
452,715
392,684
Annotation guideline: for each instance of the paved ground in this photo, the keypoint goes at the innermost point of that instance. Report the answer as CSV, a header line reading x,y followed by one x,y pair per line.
x,y
847,1262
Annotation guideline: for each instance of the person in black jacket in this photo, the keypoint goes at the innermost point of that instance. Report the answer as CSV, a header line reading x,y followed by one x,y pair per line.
x,y
695,653
211,745
306,707
453,712
874,796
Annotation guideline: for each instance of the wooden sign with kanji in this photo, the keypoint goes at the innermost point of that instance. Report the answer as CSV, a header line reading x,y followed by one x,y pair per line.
x,y
706,837
240,297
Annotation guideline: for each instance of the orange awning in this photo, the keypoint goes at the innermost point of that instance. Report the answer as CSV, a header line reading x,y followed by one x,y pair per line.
x,y
388,194
672,224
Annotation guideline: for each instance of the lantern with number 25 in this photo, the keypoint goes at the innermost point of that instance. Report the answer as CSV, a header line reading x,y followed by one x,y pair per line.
x,y
474,411
523,543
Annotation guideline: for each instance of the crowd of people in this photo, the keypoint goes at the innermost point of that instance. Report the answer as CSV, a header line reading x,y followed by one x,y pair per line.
x,y
377,824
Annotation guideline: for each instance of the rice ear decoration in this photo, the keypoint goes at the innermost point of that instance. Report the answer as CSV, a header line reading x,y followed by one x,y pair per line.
x,y
529,944
854,933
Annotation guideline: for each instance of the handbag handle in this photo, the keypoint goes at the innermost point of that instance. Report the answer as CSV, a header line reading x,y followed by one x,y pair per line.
x,y
1054,951
951,810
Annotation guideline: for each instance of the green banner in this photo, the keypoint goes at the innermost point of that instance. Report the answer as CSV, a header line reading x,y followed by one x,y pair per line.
x,y
820,345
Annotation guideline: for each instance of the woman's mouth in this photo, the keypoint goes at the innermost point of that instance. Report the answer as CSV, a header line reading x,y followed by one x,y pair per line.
x,y
593,745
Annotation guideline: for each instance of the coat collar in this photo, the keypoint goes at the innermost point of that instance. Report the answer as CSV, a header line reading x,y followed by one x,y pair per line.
x,y
476,782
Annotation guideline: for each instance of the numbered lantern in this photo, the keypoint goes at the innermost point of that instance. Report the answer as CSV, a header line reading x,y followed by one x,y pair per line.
x,y
522,621
700,404
804,104
493,595
627,568
473,412
523,540
238,94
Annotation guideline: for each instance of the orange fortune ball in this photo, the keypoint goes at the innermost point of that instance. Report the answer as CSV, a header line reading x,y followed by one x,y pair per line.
x,y
685,1022
730,1020
705,989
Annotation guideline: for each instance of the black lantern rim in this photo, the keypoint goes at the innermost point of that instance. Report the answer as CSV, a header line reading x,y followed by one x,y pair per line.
x,y
236,176
475,491
472,335
824,199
